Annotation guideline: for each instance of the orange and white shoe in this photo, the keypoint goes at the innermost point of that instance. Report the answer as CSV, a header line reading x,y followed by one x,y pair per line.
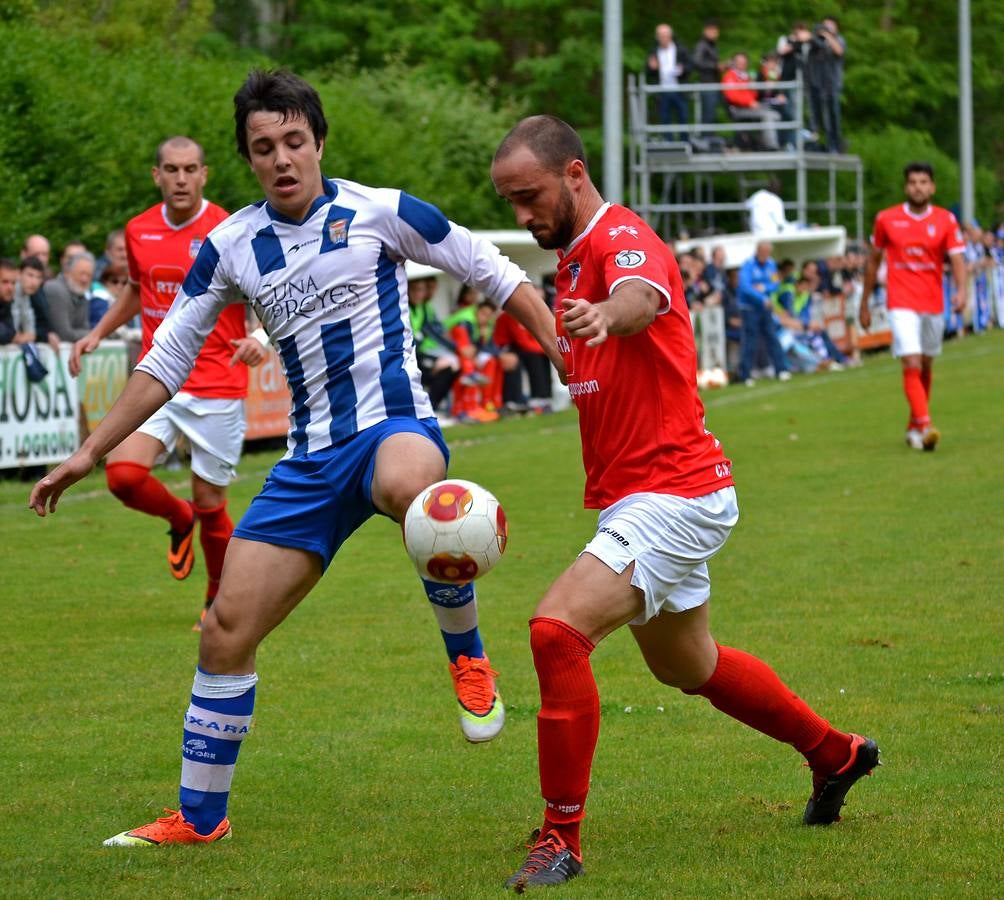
x,y
202,618
171,829
482,714
181,553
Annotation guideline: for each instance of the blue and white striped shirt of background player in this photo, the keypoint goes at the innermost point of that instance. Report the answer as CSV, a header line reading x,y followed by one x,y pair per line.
x,y
332,294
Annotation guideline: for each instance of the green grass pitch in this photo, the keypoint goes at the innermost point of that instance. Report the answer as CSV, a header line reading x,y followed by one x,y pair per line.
x,y
870,576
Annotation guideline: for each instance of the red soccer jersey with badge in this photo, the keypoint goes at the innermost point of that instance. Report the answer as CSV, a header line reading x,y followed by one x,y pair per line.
x,y
160,255
641,419
915,248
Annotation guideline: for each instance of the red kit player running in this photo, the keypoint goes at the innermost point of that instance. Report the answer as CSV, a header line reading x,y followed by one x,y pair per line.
x,y
916,236
665,494
162,244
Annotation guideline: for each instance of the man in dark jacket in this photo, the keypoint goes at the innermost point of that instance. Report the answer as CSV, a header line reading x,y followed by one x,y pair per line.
x,y
709,70
668,66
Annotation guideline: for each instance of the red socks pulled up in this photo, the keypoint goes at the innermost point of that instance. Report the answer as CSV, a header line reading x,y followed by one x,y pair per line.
x,y
215,529
916,396
749,690
568,723
133,484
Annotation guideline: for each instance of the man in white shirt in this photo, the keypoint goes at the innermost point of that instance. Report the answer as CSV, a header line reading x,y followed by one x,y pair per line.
x,y
766,210
668,64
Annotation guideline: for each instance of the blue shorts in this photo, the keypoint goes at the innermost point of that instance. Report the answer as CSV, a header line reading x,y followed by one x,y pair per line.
x,y
314,502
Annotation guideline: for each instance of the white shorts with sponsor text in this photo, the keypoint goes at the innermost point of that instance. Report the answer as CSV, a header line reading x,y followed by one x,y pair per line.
x,y
214,428
916,334
670,540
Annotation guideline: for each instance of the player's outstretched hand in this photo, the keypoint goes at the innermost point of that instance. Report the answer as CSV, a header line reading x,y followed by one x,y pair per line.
x,y
583,319
247,350
87,344
48,490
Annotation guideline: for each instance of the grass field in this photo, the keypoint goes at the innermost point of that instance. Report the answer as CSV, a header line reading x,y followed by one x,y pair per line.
x,y
869,575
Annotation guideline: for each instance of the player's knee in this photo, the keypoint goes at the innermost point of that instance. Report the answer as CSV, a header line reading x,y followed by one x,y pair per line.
x,y
552,639
124,478
222,645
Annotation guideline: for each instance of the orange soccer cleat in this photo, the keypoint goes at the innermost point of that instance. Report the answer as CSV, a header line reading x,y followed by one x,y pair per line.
x,y
171,829
482,714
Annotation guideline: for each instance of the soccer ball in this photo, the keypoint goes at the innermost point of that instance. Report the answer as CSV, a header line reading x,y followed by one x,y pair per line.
x,y
455,531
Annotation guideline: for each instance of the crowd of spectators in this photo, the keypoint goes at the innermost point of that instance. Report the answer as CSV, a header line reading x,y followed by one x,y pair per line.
x,y
816,55
40,304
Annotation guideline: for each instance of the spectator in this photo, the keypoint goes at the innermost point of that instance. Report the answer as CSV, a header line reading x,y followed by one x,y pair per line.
x,y
8,284
38,246
758,280
31,320
115,253
826,81
743,104
793,51
512,336
708,69
810,341
106,290
776,99
714,271
766,211
668,65
462,329
437,357
71,249
67,294
733,322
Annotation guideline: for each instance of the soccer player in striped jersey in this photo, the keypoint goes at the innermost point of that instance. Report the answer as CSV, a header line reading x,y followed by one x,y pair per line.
x,y
664,489
916,236
321,261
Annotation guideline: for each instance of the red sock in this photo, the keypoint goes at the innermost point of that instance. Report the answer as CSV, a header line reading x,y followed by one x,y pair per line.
x,y
214,534
568,723
926,376
913,387
133,484
749,690
568,831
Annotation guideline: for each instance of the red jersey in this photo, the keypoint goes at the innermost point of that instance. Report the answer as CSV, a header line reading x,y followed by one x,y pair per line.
x,y
915,248
160,255
640,417
510,333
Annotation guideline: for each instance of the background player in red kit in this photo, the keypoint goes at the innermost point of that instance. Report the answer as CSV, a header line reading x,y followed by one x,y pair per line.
x,y
162,244
916,236
665,494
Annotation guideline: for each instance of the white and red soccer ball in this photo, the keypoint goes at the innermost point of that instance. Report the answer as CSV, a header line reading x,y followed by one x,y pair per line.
x,y
455,531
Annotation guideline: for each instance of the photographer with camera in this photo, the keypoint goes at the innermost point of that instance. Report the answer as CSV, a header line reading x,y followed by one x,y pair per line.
x,y
826,80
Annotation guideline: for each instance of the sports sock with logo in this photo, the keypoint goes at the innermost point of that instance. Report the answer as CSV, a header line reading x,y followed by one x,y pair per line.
x,y
913,387
133,484
456,610
749,690
215,528
216,722
568,723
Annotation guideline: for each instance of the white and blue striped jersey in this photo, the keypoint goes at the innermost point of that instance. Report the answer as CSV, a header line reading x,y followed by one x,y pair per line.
x,y
332,294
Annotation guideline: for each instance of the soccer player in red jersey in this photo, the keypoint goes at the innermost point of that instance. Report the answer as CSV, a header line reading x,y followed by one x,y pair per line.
x,y
915,237
664,490
161,245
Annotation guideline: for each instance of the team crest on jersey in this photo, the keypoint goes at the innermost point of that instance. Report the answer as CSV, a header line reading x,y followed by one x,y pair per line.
x,y
931,230
623,229
574,269
193,247
630,259
335,234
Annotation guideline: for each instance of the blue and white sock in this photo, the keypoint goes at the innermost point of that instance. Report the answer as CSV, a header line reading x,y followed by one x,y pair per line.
x,y
217,720
456,609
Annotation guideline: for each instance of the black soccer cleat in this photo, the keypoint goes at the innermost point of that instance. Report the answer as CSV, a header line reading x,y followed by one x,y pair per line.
x,y
548,862
829,791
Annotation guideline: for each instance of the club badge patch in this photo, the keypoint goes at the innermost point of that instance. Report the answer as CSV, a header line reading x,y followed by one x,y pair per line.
x,y
574,269
193,247
630,259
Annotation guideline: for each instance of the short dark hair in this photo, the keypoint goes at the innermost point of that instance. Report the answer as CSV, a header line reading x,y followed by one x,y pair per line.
x,y
8,264
279,91
178,140
711,23
554,142
924,168
33,262
786,264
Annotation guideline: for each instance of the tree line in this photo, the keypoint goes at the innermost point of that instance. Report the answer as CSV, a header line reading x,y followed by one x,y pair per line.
x,y
420,91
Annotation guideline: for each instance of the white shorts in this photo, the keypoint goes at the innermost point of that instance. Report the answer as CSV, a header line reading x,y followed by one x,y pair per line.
x,y
670,540
214,429
916,334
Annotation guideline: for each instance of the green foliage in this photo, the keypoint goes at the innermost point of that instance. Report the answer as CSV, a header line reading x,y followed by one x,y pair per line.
x,y
866,574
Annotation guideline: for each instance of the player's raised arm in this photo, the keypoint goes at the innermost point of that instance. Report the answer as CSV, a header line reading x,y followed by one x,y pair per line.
x,y
143,395
632,307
